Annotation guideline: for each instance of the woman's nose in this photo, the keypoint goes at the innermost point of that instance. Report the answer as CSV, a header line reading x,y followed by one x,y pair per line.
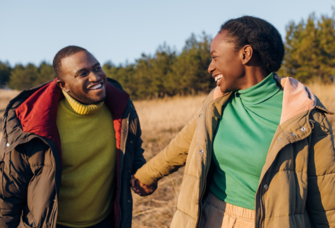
x,y
211,67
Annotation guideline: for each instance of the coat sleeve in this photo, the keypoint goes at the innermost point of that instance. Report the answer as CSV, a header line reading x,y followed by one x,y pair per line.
x,y
171,158
321,174
13,189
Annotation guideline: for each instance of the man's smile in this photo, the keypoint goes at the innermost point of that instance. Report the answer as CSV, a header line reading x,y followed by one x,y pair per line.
x,y
96,86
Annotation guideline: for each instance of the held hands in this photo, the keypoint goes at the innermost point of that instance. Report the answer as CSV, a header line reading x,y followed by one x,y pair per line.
x,y
142,189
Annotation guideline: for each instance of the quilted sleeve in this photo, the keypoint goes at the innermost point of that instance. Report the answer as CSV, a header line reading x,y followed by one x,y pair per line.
x,y
169,159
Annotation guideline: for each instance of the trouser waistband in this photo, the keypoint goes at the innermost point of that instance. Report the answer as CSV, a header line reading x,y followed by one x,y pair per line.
x,y
229,208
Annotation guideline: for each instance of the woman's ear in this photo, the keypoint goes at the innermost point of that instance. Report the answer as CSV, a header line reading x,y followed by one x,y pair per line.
x,y
246,54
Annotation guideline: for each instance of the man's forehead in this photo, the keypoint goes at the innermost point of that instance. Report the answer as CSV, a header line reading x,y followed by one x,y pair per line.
x,y
79,60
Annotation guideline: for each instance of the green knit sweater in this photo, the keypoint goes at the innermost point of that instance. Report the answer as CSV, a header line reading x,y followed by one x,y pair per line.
x,y
249,121
88,163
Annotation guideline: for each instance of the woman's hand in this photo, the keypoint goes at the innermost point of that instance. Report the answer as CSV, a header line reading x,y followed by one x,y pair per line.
x,y
140,188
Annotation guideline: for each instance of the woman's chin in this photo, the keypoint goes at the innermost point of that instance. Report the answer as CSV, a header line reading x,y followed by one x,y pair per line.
x,y
224,89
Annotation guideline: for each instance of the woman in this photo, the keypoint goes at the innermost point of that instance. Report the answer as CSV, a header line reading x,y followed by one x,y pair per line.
x,y
260,152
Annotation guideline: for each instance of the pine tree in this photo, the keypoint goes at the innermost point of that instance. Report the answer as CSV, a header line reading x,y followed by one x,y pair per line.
x,y
5,71
310,50
23,77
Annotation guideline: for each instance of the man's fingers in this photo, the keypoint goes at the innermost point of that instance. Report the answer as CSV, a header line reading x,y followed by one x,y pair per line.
x,y
140,188
132,181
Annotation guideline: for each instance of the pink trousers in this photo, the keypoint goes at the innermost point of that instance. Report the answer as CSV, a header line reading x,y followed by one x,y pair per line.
x,y
218,214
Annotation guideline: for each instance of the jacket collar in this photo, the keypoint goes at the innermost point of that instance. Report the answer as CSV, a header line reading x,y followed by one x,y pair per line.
x,y
297,98
38,113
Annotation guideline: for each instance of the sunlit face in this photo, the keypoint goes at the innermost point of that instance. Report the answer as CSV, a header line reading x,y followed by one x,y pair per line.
x,y
226,66
83,78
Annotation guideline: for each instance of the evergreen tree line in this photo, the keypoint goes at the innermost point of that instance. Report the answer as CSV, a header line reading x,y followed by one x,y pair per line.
x,y
309,57
310,50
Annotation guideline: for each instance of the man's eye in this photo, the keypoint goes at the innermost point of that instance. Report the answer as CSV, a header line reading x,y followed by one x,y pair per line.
x,y
97,68
83,74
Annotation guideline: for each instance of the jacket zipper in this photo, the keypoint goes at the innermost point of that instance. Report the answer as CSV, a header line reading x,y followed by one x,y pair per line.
x,y
261,206
259,222
120,167
200,204
53,218
205,179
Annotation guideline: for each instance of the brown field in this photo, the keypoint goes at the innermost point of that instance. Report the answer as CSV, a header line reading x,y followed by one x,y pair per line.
x,y
161,120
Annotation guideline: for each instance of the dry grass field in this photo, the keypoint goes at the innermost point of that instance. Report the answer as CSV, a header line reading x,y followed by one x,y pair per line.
x,y
161,120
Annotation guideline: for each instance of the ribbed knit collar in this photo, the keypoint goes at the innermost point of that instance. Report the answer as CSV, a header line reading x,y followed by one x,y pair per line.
x,y
260,92
80,108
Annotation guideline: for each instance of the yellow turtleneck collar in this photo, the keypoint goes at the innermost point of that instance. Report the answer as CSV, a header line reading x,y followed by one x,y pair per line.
x,y
80,108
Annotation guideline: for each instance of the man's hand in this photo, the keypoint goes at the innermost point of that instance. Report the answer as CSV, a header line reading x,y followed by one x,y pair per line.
x,y
142,189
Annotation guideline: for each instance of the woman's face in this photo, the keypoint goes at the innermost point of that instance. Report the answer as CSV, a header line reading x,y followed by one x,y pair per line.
x,y
227,64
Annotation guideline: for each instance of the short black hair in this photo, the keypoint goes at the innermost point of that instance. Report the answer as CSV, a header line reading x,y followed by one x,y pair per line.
x,y
61,54
263,37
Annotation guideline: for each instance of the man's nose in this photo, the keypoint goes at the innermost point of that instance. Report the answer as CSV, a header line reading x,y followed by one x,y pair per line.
x,y
211,67
94,77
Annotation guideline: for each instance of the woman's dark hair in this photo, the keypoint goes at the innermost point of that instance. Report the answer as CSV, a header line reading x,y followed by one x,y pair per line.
x,y
263,37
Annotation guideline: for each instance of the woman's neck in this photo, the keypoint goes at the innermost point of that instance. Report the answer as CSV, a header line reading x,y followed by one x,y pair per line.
x,y
253,76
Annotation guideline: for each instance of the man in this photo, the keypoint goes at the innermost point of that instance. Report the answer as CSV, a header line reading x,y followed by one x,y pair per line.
x,y
68,150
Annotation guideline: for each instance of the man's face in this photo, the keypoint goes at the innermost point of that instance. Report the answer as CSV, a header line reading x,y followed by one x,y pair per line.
x,y
83,78
226,66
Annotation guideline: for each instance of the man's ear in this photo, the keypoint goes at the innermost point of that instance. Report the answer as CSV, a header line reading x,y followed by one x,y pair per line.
x,y
62,85
246,54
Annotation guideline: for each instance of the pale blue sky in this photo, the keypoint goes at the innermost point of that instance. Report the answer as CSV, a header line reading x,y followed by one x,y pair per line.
x,y
32,31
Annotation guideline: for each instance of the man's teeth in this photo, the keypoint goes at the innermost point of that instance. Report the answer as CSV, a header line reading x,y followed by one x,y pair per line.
x,y
217,78
96,87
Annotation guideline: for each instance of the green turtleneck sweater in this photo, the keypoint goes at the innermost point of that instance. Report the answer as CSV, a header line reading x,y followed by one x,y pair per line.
x,y
88,163
244,134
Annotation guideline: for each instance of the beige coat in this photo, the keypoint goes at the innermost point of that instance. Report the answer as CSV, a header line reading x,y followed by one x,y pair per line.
x,y
297,183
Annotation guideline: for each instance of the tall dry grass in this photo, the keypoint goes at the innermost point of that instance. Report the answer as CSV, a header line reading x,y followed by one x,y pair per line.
x,y
169,114
326,94
5,97
160,121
